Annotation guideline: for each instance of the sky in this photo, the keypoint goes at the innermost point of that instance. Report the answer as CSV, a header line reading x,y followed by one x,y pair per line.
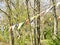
x,y
2,7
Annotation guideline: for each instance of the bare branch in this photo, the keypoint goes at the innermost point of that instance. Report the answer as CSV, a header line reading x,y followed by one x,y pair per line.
x,y
12,4
3,12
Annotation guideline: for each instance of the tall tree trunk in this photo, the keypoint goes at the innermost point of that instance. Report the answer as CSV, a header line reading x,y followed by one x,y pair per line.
x,y
35,23
10,22
29,20
38,22
55,18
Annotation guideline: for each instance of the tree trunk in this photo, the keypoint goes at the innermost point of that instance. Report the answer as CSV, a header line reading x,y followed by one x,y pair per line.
x,y
38,22
11,35
55,19
35,23
29,20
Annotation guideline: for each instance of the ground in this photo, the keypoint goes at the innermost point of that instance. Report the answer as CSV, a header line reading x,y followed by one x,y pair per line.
x,y
2,43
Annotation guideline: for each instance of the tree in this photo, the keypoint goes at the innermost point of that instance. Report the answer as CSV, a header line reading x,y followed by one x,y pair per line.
x,y
10,22
29,18
38,22
55,18
35,23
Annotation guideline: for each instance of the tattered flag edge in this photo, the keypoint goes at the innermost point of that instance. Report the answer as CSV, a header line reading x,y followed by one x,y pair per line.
x,y
20,25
